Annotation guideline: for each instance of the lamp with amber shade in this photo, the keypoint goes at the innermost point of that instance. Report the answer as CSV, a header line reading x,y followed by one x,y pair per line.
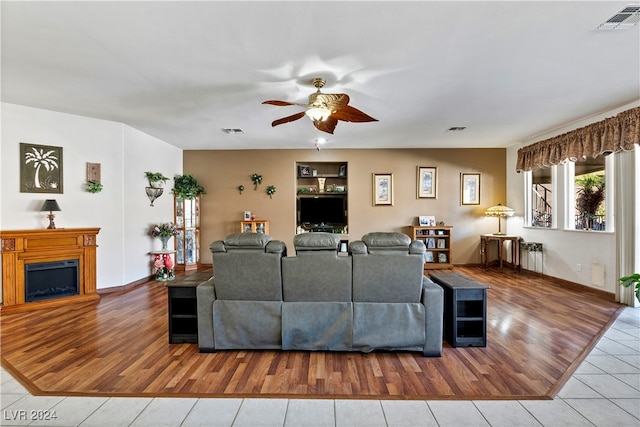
x,y
501,212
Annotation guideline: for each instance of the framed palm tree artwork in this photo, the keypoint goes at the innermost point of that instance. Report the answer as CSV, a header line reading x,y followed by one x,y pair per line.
x,y
40,168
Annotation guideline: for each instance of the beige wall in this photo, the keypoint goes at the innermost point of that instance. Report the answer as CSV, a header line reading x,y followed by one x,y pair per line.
x,y
221,172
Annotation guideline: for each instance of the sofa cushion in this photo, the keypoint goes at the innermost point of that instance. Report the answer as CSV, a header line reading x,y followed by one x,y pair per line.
x,y
316,242
246,241
388,243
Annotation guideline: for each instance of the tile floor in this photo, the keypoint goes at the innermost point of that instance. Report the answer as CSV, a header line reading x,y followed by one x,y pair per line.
x,y
604,391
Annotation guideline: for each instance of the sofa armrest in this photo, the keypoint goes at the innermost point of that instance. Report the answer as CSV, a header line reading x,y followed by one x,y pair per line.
x,y
206,295
433,301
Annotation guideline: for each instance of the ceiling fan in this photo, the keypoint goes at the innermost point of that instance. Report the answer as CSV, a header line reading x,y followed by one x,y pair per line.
x,y
324,109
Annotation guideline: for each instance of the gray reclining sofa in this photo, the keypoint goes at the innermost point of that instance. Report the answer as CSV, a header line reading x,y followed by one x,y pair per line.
x,y
376,298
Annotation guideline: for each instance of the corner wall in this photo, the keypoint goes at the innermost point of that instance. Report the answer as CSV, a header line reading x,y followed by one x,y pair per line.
x,y
121,210
563,249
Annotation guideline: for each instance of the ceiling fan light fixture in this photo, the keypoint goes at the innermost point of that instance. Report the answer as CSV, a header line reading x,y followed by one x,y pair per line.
x,y
318,114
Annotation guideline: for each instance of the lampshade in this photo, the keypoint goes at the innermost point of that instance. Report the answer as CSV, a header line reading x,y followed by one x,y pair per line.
x,y
499,211
50,205
318,114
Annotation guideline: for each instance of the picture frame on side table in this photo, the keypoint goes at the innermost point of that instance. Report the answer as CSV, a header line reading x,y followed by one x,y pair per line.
x,y
40,168
382,189
247,215
427,183
428,256
342,170
469,188
427,220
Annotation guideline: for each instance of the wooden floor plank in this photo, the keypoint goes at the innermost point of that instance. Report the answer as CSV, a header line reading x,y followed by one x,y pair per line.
x,y
537,333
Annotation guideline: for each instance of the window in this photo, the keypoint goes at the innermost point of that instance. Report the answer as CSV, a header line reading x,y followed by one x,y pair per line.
x,y
590,204
539,188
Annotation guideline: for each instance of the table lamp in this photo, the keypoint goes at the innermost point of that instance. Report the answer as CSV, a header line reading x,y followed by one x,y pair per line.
x,y
499,211
52,206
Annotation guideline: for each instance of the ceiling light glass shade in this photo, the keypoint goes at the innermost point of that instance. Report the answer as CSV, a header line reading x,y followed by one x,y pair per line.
x,y
499,211
318,114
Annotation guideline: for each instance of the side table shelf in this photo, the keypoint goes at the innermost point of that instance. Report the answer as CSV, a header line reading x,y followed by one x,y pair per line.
x,y
438,241
183,308
465,310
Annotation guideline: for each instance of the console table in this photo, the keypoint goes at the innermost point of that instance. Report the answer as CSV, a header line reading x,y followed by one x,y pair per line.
x,y
465,309
500,239
183,307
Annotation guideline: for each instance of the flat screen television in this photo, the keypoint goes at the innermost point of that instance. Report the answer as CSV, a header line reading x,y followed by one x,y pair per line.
x,y
322,210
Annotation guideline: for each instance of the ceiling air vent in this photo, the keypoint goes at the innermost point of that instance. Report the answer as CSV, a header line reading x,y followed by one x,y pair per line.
x,y
457,128
232,130
625,18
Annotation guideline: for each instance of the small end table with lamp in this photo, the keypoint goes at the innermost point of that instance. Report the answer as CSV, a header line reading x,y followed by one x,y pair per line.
x,y
500,211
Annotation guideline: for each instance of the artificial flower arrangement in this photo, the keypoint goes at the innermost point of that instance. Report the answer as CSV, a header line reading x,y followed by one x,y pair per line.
x,y
165,229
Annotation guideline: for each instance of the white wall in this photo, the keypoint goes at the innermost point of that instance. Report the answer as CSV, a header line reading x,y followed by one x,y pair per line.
x,y
563,249
121,210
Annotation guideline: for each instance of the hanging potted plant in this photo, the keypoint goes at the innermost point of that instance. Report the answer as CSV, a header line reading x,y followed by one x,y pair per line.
x,y
156,179
187,187
93,186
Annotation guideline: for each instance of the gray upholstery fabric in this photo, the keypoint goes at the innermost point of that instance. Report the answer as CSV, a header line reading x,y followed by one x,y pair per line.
x,y
247,267
433,301
247,324
205,294
317,276
387,243
388,326
387,278
317,326
316,242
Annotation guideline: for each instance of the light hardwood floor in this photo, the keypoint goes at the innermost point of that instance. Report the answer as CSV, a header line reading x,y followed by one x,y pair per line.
x,y
538,332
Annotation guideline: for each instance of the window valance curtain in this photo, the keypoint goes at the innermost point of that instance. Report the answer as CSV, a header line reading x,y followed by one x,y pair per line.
x,y
608,136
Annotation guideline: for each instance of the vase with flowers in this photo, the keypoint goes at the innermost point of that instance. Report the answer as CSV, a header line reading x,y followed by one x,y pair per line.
x,y
164,231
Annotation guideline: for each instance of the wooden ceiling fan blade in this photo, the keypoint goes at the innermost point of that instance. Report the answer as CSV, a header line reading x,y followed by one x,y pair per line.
x,y
327,125
288,119
282,103
351,114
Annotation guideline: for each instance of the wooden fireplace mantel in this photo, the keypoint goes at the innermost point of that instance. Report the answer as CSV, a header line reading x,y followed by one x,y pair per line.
x,y
20,247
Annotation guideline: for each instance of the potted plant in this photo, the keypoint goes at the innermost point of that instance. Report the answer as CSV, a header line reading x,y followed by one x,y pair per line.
x,y
590,190
632,280
187,187
94,186
156,179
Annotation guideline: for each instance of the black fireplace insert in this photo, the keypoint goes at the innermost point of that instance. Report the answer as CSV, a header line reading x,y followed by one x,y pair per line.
x,y
47,280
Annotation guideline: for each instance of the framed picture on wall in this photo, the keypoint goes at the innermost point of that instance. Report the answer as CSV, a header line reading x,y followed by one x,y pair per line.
x,y
470,188
40,168
427,182
304,171
382,189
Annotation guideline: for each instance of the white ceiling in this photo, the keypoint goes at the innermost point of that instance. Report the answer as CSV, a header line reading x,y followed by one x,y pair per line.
x,y
182,71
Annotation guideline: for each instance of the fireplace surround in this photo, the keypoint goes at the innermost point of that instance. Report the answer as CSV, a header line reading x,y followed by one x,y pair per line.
x,y
24,250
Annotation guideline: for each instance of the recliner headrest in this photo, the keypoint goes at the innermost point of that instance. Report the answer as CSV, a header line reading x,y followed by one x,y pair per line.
x,y
316,242
247,241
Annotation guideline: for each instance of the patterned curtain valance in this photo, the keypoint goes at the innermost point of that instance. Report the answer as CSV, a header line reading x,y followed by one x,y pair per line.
x,y
605,137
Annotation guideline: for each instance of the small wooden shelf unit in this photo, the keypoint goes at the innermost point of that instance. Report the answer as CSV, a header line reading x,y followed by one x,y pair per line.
x,y
255,226
437,239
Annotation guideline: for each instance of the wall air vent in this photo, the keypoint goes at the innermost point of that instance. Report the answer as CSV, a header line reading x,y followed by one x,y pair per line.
x,y
623,19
